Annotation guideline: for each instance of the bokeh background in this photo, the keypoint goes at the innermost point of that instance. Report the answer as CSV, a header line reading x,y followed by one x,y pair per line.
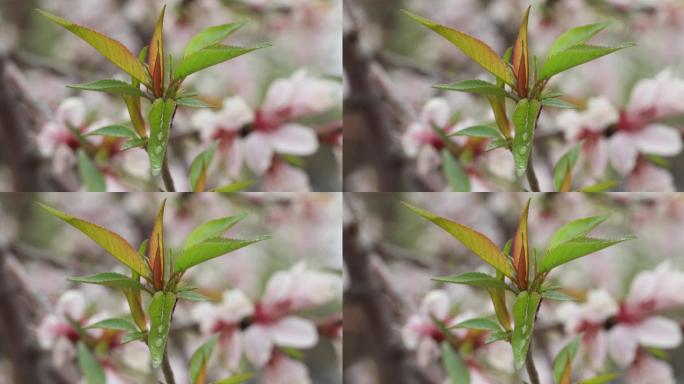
x,y
391,254
38,253
391,62
38,58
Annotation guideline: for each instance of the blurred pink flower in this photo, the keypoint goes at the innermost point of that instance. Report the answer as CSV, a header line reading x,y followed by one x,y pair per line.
x,y
648,370
637,131
55,331
225,319
224,126
589,318
273,325
420,139
283,370
284,177
275,130
420,333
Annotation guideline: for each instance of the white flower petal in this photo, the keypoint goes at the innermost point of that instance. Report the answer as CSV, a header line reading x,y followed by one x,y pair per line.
x,y
658,332
294,332
659,139
294,139
622,345
436,303
623,152
258,345
258,152
72,303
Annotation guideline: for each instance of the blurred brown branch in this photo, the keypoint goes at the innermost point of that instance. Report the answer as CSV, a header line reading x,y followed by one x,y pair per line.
x,y
20,310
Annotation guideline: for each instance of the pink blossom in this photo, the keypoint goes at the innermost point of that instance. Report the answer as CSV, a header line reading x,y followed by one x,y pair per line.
x,y
55,332
284,177
420,139
225,126
284,370
420,333
589,318
648,370
275,130
225,319
273,323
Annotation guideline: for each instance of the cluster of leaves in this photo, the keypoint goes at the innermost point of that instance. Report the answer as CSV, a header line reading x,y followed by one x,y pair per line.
x,y
520,271
162,80
161,276
523,80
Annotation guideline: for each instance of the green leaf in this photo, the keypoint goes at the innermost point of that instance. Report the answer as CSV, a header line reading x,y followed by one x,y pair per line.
x,y
109,86
564,358
155,56
111,49
524,313
133,336
192,103
211,55
110,279
479,87
111,242
236,379
525,119
92,178
114,131
498,143
201,357
200,165
485,324
476,242
486,131
210,249
557,295
573,249
477,50
562,172
91,368
133,143
575,229
576,36
602,379
497,336
160,117
455,174
234,187
476,279
192,296
160,311
557,103
574,56
601,187
211,229
454,366
118,324
211,36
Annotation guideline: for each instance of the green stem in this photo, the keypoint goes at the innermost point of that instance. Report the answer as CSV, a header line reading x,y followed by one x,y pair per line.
x,y
531,368
166,368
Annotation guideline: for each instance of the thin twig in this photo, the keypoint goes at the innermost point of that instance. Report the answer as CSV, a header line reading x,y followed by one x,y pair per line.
x,y
166,176
166,368
531,368
532,176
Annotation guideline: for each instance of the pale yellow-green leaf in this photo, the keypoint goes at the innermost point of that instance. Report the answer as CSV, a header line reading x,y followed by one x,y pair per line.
x,y
111,49
472,47
475,241
111,242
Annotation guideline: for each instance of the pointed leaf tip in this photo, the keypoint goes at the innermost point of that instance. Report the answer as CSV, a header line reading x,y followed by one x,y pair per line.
x,y
110,241
472,47
111,49
475,241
